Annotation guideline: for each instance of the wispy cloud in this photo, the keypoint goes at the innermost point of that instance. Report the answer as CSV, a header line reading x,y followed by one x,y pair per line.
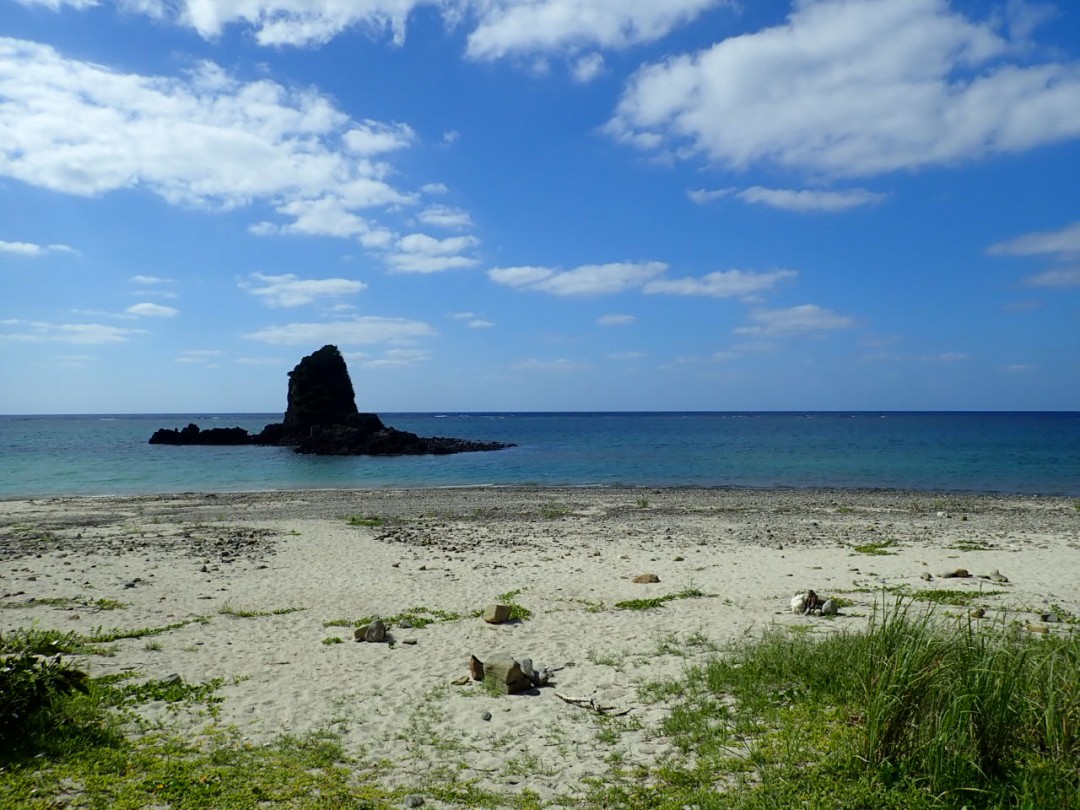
x,y
359,331
291,291
147,310
803,201
32,250
87,334
149,280
616,320
1063,243
722,284
794,320
590,279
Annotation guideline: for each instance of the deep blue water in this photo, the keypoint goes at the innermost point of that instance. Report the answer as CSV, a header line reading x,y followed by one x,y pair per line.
x,y
1034,453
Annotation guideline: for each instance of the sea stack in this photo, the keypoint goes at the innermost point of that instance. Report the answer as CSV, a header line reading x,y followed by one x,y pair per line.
x,y
321,418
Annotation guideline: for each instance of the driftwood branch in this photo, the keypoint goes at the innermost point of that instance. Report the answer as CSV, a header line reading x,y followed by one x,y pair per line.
x,y
593,706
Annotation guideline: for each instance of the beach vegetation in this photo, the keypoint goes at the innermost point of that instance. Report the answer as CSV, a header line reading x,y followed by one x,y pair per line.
x,y
418,617
955,598
67,602
102,636
642,502
689,592
553,511
331,640
240,613
518,612
879,549
912,712
370,521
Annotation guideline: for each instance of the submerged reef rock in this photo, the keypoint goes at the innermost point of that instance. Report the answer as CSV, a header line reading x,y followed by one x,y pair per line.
x,y
321,418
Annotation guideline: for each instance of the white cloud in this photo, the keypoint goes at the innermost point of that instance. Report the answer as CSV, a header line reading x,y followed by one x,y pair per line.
x,y
146,310
31,249
626,355
462,316
587,68
420,253
615,320
445,216
1062,243
85,334
202,139
434,188
199,356
1018,368
374,137
57,5
511,26
795,320
1061,277
149,280
853,88
359,331
290,291
499,27
703,196
589,279
805,200
397,357
722,284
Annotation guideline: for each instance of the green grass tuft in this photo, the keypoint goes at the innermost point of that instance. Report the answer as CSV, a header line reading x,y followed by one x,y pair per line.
x,y
370,521
658,601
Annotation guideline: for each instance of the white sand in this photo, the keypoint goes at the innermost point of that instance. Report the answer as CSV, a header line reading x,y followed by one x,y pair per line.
x,y
571,552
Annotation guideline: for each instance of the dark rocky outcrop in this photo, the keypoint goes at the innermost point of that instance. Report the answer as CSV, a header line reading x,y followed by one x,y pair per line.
x,y
192,434
321,418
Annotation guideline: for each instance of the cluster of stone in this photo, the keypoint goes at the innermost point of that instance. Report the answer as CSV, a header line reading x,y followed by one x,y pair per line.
x,y
321,418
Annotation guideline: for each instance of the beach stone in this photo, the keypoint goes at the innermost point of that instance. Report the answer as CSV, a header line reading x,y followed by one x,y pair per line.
x,y
485,715
1038,628
1049,618
997,576
376,631
798,604
829,608
409,641
958,573
527,668
414,800
977,613
464,679
505,673
360,632
496,614
476,668
926,575
646,579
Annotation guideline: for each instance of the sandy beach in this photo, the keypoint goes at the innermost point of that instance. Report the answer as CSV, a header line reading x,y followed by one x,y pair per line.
x,y
258,584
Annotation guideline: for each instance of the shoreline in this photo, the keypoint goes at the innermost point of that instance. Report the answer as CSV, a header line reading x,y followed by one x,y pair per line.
x,y
251,586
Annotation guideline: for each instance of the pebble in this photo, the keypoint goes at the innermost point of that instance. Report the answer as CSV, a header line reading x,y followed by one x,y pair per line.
x,y
1049,618
644,579
485,715
926,575
977,613
414,800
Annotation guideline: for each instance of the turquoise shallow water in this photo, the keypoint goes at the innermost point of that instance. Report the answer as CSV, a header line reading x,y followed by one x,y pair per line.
x,y
1033,453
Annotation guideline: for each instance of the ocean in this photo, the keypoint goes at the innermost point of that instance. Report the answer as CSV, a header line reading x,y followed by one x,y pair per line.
x,y
1028,453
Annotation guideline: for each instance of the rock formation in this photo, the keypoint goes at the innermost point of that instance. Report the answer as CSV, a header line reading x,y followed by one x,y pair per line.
x,y
321,418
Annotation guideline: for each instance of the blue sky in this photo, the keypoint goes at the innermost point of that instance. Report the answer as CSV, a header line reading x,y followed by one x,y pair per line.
x,y
540,204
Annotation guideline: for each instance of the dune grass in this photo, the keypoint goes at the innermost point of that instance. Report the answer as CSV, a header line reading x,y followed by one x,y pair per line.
x,y
913,712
